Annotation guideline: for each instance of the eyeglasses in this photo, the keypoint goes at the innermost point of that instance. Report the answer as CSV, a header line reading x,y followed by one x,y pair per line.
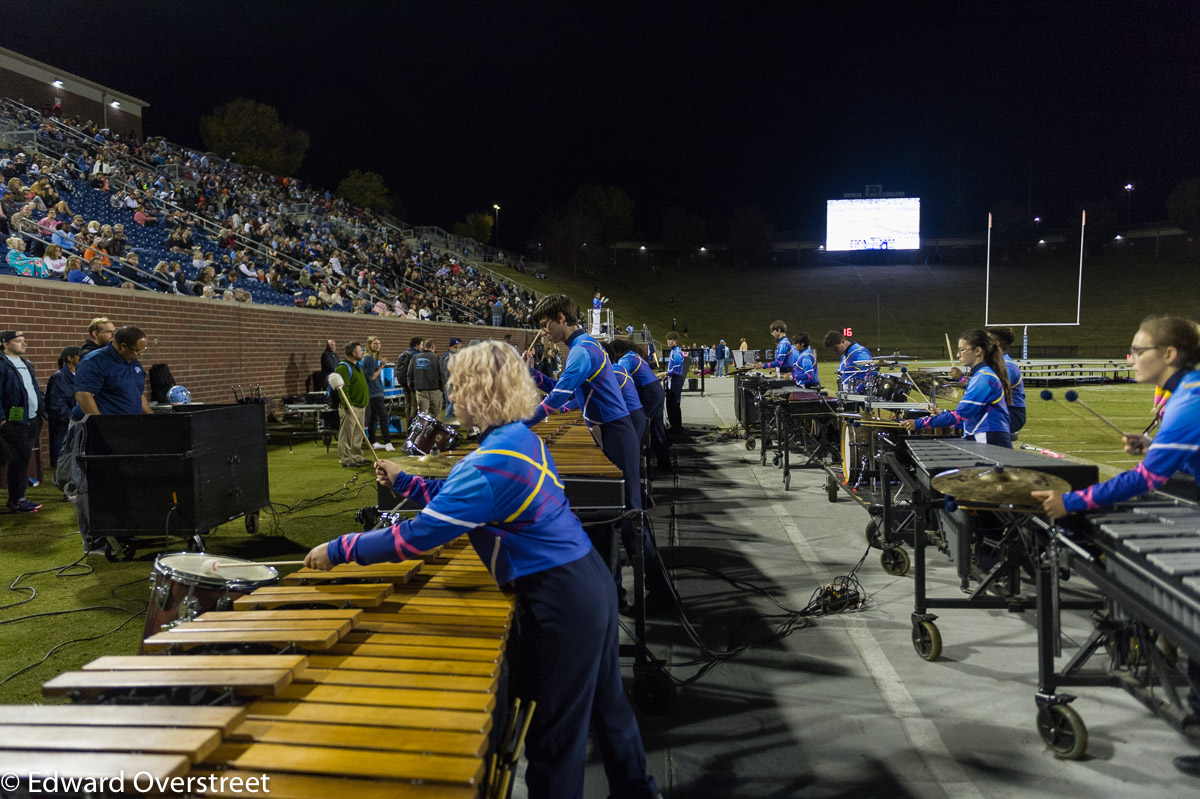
x,y
1136,352
965,349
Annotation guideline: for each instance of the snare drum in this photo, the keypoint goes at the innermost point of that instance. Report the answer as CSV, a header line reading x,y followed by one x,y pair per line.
x,y
427,434
180,589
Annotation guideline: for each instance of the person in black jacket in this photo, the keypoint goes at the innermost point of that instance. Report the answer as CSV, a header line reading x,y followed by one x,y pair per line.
x,y
60,399
427,373
100,333
329,362
402,379
21,411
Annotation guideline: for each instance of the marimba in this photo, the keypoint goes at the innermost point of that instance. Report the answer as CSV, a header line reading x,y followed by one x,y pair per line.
x,y
386,685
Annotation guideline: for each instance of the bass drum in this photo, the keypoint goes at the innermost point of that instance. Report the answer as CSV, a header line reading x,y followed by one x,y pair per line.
x,y
856,446
181,588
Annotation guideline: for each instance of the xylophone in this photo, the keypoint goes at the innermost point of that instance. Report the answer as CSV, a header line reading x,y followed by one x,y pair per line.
x,y
1144,557
385,685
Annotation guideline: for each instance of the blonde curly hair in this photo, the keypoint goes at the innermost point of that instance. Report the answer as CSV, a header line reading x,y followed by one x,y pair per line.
x,y
492,384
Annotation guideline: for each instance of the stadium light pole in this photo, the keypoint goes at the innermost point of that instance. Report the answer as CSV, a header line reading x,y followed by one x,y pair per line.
x,y
496,219
1128,203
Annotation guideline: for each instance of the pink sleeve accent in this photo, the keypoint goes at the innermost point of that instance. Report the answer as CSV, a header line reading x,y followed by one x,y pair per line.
x,y
1153,480
401,544
1086,496
348,542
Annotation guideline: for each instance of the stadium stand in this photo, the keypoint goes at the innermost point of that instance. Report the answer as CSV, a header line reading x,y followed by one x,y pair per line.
x,y
268,240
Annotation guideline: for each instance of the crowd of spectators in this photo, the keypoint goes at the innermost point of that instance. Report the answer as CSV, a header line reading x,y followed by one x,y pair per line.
x,y
212,228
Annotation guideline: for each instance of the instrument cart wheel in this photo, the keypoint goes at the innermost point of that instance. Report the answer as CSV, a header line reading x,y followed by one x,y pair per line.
x,y
1063,731
776,460
894,561
831,489
787,480
749,443
653,691
872,533
252,523
927,640
118,551
327,439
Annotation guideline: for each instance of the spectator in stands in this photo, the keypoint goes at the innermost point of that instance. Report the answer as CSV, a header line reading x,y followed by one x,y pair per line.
x,y
130,271
75,273
99,333
22,264
497,313
48,224
111,380
63,237
60,399
98,275
143,218
427,373
22,408
116,242
353,399
54,262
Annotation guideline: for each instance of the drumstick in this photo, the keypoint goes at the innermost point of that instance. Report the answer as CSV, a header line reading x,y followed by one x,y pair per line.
x,y
533,343
911,382
949,349
1073,396
213,565
1047,394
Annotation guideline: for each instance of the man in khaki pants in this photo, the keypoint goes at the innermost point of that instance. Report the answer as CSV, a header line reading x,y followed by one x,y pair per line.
x,y
427,375
350,436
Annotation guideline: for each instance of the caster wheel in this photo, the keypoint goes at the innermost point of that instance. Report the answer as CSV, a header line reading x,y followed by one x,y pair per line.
x,y
327,439
894,561
787,481
776,460
831,489
252,523
653,692
872,533
750,444
927,640
116,551
1063,731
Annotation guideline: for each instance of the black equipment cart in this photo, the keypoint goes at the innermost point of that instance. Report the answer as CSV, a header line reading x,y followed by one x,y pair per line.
x,y
178,474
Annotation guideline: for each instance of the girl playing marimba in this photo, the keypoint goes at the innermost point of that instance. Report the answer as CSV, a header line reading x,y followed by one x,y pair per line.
x,y
982,412
507,497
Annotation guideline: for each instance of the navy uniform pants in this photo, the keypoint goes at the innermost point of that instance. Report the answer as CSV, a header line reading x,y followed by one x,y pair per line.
x,y
674,396
653,400
619,440
1016,419
564,656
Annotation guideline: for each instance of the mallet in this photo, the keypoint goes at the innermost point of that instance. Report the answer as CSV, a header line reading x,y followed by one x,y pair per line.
x,y
1073,396
337,382
213,565
911,382
1048,395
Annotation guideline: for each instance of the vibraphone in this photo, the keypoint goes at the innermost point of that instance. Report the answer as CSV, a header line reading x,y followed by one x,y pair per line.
x,y
1144,557
959,530
385,686
805,421
749,388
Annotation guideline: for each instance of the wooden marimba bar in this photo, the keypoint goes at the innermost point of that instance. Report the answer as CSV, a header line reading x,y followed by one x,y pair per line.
x,y
380,687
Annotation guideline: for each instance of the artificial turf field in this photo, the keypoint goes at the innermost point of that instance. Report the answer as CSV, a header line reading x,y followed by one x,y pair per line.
x,y
104,602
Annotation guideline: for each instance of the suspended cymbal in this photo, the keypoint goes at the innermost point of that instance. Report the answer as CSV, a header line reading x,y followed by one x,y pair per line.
x,y
997,485
425,465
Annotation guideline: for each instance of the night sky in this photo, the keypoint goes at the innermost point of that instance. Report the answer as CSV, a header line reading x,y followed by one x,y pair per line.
x,y
708,106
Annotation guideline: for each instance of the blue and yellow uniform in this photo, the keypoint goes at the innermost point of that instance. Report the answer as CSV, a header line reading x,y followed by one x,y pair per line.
x,y
588,377
982,412
804,370
785,355
633,400
855,367
507,497
653,400
1016,408
675,367
1175,448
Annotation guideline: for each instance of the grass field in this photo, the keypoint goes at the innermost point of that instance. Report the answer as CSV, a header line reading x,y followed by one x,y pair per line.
x,y
114,593
897,306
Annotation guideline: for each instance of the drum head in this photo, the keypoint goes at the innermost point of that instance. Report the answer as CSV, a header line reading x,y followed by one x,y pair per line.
x,y
188,568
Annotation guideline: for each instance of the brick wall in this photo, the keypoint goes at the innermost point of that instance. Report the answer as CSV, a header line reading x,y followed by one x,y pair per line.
x,y
210,345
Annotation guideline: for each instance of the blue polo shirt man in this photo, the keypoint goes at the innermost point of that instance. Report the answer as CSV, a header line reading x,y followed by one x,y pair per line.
x,y
111,380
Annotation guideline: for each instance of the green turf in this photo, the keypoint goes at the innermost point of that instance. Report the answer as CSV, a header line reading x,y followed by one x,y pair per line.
x,y
48,539
897,306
